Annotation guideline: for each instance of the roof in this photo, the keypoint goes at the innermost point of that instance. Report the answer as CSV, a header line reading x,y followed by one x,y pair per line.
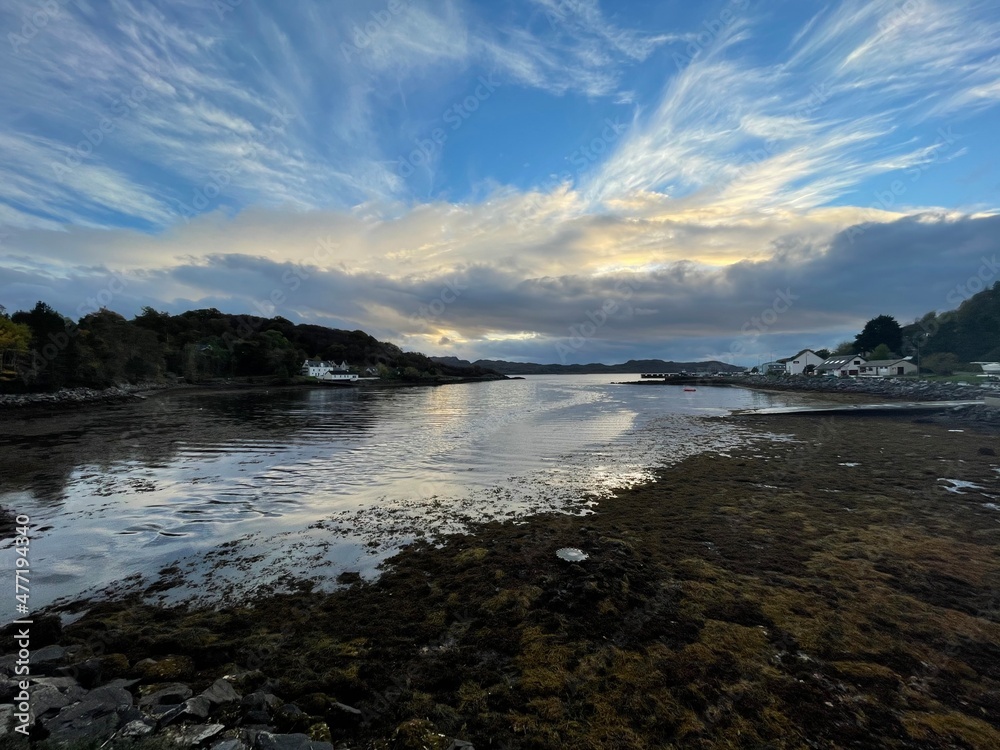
x,y
810,351
886,362
839,361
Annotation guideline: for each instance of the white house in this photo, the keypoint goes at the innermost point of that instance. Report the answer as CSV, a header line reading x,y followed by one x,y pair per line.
x,y
323,370
797,365
773,368
842,366
880,368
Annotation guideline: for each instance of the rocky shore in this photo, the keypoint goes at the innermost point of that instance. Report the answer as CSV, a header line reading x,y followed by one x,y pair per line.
x,y
887,388
832,584
73,396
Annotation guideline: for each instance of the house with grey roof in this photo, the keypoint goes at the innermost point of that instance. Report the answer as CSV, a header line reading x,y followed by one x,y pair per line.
x,y
842,366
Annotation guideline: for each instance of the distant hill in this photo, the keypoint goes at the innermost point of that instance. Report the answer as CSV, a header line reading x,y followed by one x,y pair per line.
x,y
631,367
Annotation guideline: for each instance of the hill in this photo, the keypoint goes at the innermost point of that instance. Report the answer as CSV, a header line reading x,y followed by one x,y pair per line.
x,y
971,332
631,367
49,351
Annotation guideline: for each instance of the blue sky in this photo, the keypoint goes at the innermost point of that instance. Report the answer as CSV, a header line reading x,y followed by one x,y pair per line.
x,y
547,180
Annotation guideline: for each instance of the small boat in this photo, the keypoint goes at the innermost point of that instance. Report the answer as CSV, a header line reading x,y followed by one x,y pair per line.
x,y
690,390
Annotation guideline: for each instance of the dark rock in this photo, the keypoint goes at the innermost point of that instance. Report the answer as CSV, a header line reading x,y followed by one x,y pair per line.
x,y
234,744
45,630
349,577
94,716
170,695
221,693
47,654
45,698
261,701
290,716
195,709
461,745
256,716
87,673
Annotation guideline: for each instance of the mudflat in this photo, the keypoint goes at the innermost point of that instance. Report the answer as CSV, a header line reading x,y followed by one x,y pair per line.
x,y
836,587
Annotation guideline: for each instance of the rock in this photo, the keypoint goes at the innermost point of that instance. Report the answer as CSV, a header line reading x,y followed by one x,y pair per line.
x,y
170,695
194,735
461,745
96,715
221,693
45,698
137,728
47,655
6,720
235,744
290,716
193,708
8,689
87,673
261,699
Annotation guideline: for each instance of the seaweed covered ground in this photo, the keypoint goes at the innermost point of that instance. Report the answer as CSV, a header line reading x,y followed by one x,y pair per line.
x,y
829,590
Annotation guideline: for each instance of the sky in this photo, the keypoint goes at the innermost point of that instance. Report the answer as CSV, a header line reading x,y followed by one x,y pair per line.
x,y
534,180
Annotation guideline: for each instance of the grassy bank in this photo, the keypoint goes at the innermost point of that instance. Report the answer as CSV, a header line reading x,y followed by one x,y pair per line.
x,y
773,598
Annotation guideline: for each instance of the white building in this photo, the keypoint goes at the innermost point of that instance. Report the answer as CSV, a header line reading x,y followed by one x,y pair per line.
x,y
842,366
323,370
797,365
880,368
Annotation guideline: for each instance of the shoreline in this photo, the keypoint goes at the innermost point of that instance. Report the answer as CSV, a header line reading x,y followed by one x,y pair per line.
x,y
67,398
831,590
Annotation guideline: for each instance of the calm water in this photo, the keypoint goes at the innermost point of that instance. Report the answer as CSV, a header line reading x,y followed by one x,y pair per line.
x,y
316,482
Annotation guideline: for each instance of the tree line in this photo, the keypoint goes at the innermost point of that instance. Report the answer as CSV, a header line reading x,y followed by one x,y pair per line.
x,y
42,350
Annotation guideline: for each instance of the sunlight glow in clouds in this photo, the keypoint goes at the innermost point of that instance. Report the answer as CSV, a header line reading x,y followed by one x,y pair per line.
x,y
250,160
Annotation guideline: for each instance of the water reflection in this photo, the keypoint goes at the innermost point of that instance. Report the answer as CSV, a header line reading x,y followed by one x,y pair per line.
x,y
328,478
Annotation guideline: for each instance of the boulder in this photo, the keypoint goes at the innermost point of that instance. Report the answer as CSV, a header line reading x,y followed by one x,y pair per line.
x,y
96,715
169,695
221,693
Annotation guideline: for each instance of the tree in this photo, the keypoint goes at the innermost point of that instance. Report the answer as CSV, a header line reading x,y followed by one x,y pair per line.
x,y
882,352
844,347
14,336
881,330
940,364
824,353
